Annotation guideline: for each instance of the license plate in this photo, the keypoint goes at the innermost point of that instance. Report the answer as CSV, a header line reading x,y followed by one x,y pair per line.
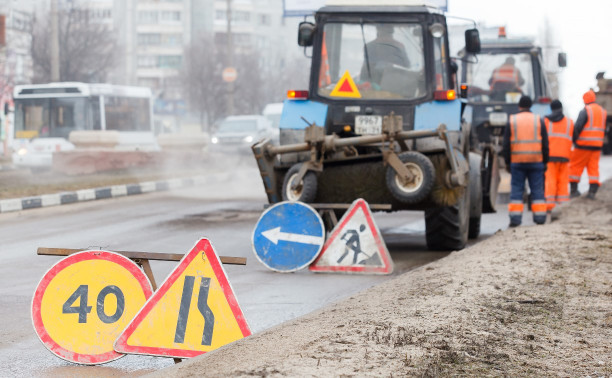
x,y
368,125
498,119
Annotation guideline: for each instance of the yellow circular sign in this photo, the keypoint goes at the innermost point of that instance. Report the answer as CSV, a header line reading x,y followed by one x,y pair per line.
x,y
83,303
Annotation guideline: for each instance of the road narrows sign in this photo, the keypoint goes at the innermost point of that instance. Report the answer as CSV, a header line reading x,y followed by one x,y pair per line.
x,y
193,312
288,236
84,302
355,245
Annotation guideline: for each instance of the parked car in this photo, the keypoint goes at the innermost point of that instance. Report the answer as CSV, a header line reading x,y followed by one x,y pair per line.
x,y
273,113
240,132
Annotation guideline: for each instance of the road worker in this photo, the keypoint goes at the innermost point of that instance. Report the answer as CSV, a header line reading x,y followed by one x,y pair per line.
x,y
505,78
588,140
560,130
525,150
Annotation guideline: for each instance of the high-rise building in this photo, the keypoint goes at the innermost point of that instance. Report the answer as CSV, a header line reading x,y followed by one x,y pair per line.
x,y
15,57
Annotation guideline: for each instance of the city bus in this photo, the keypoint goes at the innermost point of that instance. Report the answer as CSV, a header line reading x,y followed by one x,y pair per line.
x,y
46,115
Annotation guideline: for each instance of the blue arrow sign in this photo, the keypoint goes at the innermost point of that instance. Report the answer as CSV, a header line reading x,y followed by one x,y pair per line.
x,y
288,236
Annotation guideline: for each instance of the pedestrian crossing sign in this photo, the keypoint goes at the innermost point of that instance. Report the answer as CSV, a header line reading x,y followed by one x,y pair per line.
x,y
193,312
346,87
355,245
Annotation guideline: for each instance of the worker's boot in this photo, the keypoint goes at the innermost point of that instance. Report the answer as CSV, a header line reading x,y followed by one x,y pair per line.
x,y
592,190
574,190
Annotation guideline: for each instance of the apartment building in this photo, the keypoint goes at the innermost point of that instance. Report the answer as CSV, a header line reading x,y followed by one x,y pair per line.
x,y
15,57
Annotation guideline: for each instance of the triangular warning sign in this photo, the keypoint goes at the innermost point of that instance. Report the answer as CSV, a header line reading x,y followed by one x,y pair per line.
x,y
193,312
355,245
346,87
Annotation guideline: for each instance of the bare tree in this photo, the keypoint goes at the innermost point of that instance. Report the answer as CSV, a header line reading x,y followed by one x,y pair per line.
x,y
201,78
292,74
254,87
87,48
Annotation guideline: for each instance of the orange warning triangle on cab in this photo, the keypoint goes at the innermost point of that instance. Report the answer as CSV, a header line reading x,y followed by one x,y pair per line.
x,y
193,312
346,87
355,245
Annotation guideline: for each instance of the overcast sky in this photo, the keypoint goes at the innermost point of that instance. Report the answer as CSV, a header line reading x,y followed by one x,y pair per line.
x,y
583,29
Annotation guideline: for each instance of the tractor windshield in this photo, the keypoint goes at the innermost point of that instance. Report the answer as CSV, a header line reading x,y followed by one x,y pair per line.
x,y
372,61
500,78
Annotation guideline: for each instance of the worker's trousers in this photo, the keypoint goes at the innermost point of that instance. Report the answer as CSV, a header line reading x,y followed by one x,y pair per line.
x,y
556,186
584,158
534,174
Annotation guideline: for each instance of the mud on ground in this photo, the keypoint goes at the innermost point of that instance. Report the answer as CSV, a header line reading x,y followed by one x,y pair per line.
x,y
530,301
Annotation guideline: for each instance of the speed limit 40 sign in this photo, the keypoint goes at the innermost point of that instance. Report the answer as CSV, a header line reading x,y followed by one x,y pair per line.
x,y
83,302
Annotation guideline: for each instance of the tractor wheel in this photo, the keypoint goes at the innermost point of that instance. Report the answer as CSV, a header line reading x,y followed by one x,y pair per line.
x,y
446,227
420,186
475,188
607,146
308,190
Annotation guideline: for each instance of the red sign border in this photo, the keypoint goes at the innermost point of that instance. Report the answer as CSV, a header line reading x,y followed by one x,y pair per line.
x,y
203,244
37,322
387,268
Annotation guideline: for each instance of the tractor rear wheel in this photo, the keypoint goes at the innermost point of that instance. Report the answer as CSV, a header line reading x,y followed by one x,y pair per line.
x,y
446,227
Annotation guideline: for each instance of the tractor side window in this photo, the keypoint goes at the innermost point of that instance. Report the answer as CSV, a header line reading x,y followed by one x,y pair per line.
x,y
440,64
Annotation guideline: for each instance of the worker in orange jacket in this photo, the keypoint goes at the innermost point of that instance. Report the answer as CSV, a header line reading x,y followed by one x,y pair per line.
x,y
560,131
588,140
525,151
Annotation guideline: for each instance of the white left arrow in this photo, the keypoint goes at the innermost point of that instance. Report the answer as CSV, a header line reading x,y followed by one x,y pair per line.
x,y
275,234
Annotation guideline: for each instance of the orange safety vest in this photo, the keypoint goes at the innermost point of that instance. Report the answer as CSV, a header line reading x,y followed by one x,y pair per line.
x,y
592,135
324,76
560,137
505,74
525,138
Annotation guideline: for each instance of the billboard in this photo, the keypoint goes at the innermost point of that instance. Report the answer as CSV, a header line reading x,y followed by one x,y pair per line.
x,y
301,8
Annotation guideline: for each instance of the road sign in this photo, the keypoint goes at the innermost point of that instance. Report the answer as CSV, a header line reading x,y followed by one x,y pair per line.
x,y
229,74
346,87
84,302
288,236
355,245
193,312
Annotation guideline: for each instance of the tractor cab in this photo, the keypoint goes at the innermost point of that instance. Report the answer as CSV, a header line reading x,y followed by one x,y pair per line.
x,y
369,61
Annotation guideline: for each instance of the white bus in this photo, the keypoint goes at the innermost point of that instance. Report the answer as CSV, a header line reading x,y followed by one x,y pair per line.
x,y
46,114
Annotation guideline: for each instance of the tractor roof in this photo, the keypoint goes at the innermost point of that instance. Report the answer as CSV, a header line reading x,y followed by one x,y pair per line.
x,y
506,43
413,6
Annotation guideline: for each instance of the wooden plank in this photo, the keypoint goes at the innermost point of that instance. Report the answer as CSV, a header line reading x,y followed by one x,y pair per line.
x,y
138,255
340,206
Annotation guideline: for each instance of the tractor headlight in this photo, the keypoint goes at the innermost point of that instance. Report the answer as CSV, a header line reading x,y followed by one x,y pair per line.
x,y
214,140
248,139
22,151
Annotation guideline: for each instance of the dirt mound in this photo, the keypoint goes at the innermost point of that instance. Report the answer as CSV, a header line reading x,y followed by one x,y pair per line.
x,y
530,301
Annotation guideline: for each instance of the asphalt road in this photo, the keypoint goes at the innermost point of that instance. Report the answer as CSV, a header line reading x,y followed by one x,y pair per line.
x,y
225,211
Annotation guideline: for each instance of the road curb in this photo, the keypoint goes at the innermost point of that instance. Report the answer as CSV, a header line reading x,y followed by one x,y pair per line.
x,y
84,195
